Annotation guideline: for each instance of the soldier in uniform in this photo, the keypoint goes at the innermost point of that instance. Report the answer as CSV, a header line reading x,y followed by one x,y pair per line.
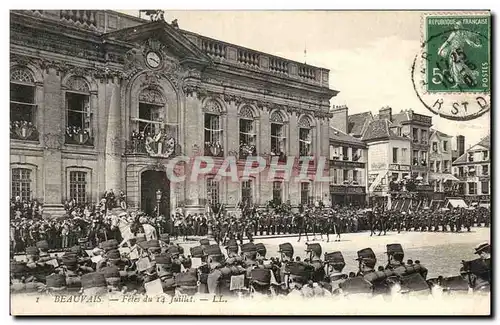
x,y
335,264
301,225
314,259
478,271
186,284
164,271
298,278
215,261
395,256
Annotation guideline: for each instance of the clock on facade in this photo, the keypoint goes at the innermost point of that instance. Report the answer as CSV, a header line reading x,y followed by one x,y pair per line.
x,y
153,59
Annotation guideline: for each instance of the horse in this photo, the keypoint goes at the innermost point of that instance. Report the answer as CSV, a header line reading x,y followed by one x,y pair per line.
x,y
125,229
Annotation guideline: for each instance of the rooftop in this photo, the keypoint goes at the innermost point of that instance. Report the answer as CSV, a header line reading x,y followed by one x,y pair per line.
x,y
380,130
337,135
357,123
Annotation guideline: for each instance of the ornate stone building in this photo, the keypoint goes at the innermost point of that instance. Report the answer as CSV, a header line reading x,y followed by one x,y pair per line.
x,y
101,100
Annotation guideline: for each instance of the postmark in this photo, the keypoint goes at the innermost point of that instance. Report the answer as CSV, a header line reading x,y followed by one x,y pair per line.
x,y
451,74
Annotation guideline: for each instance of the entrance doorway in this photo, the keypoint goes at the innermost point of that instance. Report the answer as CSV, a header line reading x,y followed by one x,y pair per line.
x,y
151,182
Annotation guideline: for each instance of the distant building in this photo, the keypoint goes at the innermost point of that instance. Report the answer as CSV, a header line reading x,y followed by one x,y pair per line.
x,y
440,158
348,157
473,169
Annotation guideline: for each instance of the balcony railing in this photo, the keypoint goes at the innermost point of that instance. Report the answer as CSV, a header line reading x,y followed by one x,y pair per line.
x,y
80,18
78,136
214,149
23,130
158,140
247,151
241,56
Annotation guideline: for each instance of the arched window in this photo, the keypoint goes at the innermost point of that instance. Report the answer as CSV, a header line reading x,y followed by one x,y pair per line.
x,y
213,129
21,181
22,105
151,106
247,133
278,138
305,135
78,114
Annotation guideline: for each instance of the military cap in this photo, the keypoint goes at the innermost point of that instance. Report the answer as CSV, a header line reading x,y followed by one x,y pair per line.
x,y
18,268
163,258
315,247
82,240
69,259
395,249
32,250
110,272
186,280
248,248
204,242
212,250
113,254
155,250
261,249
174,249
165,237
368,256
261,276
42,244
56,281
75,249
109,244
483,247
93,280
335,258
197,251
285,248
153,243
299,269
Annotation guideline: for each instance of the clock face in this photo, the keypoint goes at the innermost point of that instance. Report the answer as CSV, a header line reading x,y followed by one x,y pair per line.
x,y
153,59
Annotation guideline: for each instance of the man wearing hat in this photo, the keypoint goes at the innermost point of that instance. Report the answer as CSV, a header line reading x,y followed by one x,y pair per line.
x,y
215,261
314,251
164,271
335,264
367,261
484,251
299,275
18,272
56,283
395,256
113,278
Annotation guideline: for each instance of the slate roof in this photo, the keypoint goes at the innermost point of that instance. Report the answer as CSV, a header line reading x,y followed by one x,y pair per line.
x,y
380,130
338,136
440,134
357,123
485,142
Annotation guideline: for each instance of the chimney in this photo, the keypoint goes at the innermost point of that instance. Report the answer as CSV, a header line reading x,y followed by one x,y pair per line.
x,y
385,113
339,118
460,145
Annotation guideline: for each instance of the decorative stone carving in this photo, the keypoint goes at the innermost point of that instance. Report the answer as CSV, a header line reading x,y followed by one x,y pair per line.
x,y
276,117
246,112
78,84
152,96
212,106
22,75
305,122
52,141
134,62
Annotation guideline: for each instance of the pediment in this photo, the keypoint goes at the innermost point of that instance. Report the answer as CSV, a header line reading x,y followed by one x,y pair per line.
x,y
162,38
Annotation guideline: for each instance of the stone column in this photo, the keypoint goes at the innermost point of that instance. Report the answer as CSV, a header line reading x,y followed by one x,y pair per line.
x,y
113,139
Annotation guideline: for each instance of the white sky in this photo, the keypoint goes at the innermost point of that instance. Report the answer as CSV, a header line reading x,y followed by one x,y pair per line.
x,y
369,53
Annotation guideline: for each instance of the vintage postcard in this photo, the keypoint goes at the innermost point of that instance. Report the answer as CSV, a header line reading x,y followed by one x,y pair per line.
x,y
250,162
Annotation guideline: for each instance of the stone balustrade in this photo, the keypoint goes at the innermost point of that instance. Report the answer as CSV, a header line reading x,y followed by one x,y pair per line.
x,y
233,54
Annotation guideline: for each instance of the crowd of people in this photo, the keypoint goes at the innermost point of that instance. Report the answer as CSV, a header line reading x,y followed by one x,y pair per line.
x,y
91,223
159,266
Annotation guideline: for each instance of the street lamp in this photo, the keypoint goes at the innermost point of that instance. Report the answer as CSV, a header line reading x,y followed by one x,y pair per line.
x,y
158,199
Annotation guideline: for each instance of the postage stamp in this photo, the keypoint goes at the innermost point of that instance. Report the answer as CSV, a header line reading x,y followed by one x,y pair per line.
x,y
451,74
459,53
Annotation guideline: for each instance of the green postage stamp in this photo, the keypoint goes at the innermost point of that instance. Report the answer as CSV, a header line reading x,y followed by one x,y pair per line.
x,y
458,53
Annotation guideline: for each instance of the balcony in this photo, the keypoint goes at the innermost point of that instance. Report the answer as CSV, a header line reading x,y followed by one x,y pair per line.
x,y
23,130
214,149
161,142
80,18
280,154
247,150
78,136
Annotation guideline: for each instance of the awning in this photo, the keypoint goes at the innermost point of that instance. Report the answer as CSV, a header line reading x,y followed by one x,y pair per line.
x,y
442,176
457,203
